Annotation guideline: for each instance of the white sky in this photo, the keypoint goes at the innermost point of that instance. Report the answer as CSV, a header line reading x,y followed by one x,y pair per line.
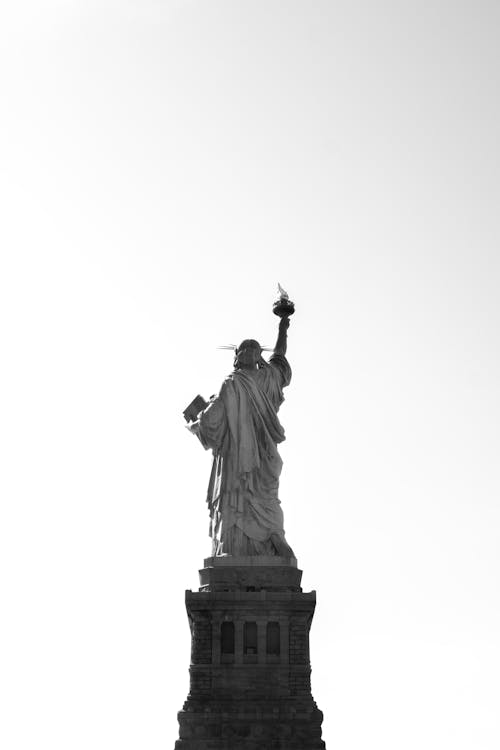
x,y
163,165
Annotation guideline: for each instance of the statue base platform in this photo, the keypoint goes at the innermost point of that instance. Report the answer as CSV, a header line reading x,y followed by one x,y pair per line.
x,y
250,669
257,573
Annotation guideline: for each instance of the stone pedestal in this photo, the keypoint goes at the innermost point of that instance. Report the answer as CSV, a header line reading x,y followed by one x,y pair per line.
x,y
250,670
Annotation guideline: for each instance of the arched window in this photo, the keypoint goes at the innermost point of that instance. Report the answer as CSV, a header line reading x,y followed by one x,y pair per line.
x,y
227,638
273,638
250,638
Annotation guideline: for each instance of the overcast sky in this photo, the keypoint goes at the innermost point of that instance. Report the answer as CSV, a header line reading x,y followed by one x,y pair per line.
x,y
163,166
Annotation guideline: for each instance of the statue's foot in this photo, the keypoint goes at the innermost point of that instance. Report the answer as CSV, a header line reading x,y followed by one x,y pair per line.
x,y
281,546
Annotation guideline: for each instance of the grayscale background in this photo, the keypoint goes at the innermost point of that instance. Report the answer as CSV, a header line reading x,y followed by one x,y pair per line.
x,y
163,166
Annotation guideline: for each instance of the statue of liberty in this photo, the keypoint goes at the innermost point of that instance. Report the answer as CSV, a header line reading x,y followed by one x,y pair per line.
x,y
241,427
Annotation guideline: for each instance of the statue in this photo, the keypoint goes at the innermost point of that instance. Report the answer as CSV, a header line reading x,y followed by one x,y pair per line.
x,y
240,425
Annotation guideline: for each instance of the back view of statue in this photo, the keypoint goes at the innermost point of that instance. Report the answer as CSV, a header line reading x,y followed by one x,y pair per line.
x,y
241,426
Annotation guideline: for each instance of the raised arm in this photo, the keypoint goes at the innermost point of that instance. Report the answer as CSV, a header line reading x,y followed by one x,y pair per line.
x,y
281,341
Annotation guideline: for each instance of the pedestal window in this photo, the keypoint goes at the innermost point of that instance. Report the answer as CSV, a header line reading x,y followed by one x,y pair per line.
x,y
227,641
273,639
250,642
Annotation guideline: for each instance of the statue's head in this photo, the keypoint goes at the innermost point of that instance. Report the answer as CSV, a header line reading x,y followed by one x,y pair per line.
x,y
248,355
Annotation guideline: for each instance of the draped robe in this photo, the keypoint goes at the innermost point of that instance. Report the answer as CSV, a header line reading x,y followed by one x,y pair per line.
x,y
242,428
